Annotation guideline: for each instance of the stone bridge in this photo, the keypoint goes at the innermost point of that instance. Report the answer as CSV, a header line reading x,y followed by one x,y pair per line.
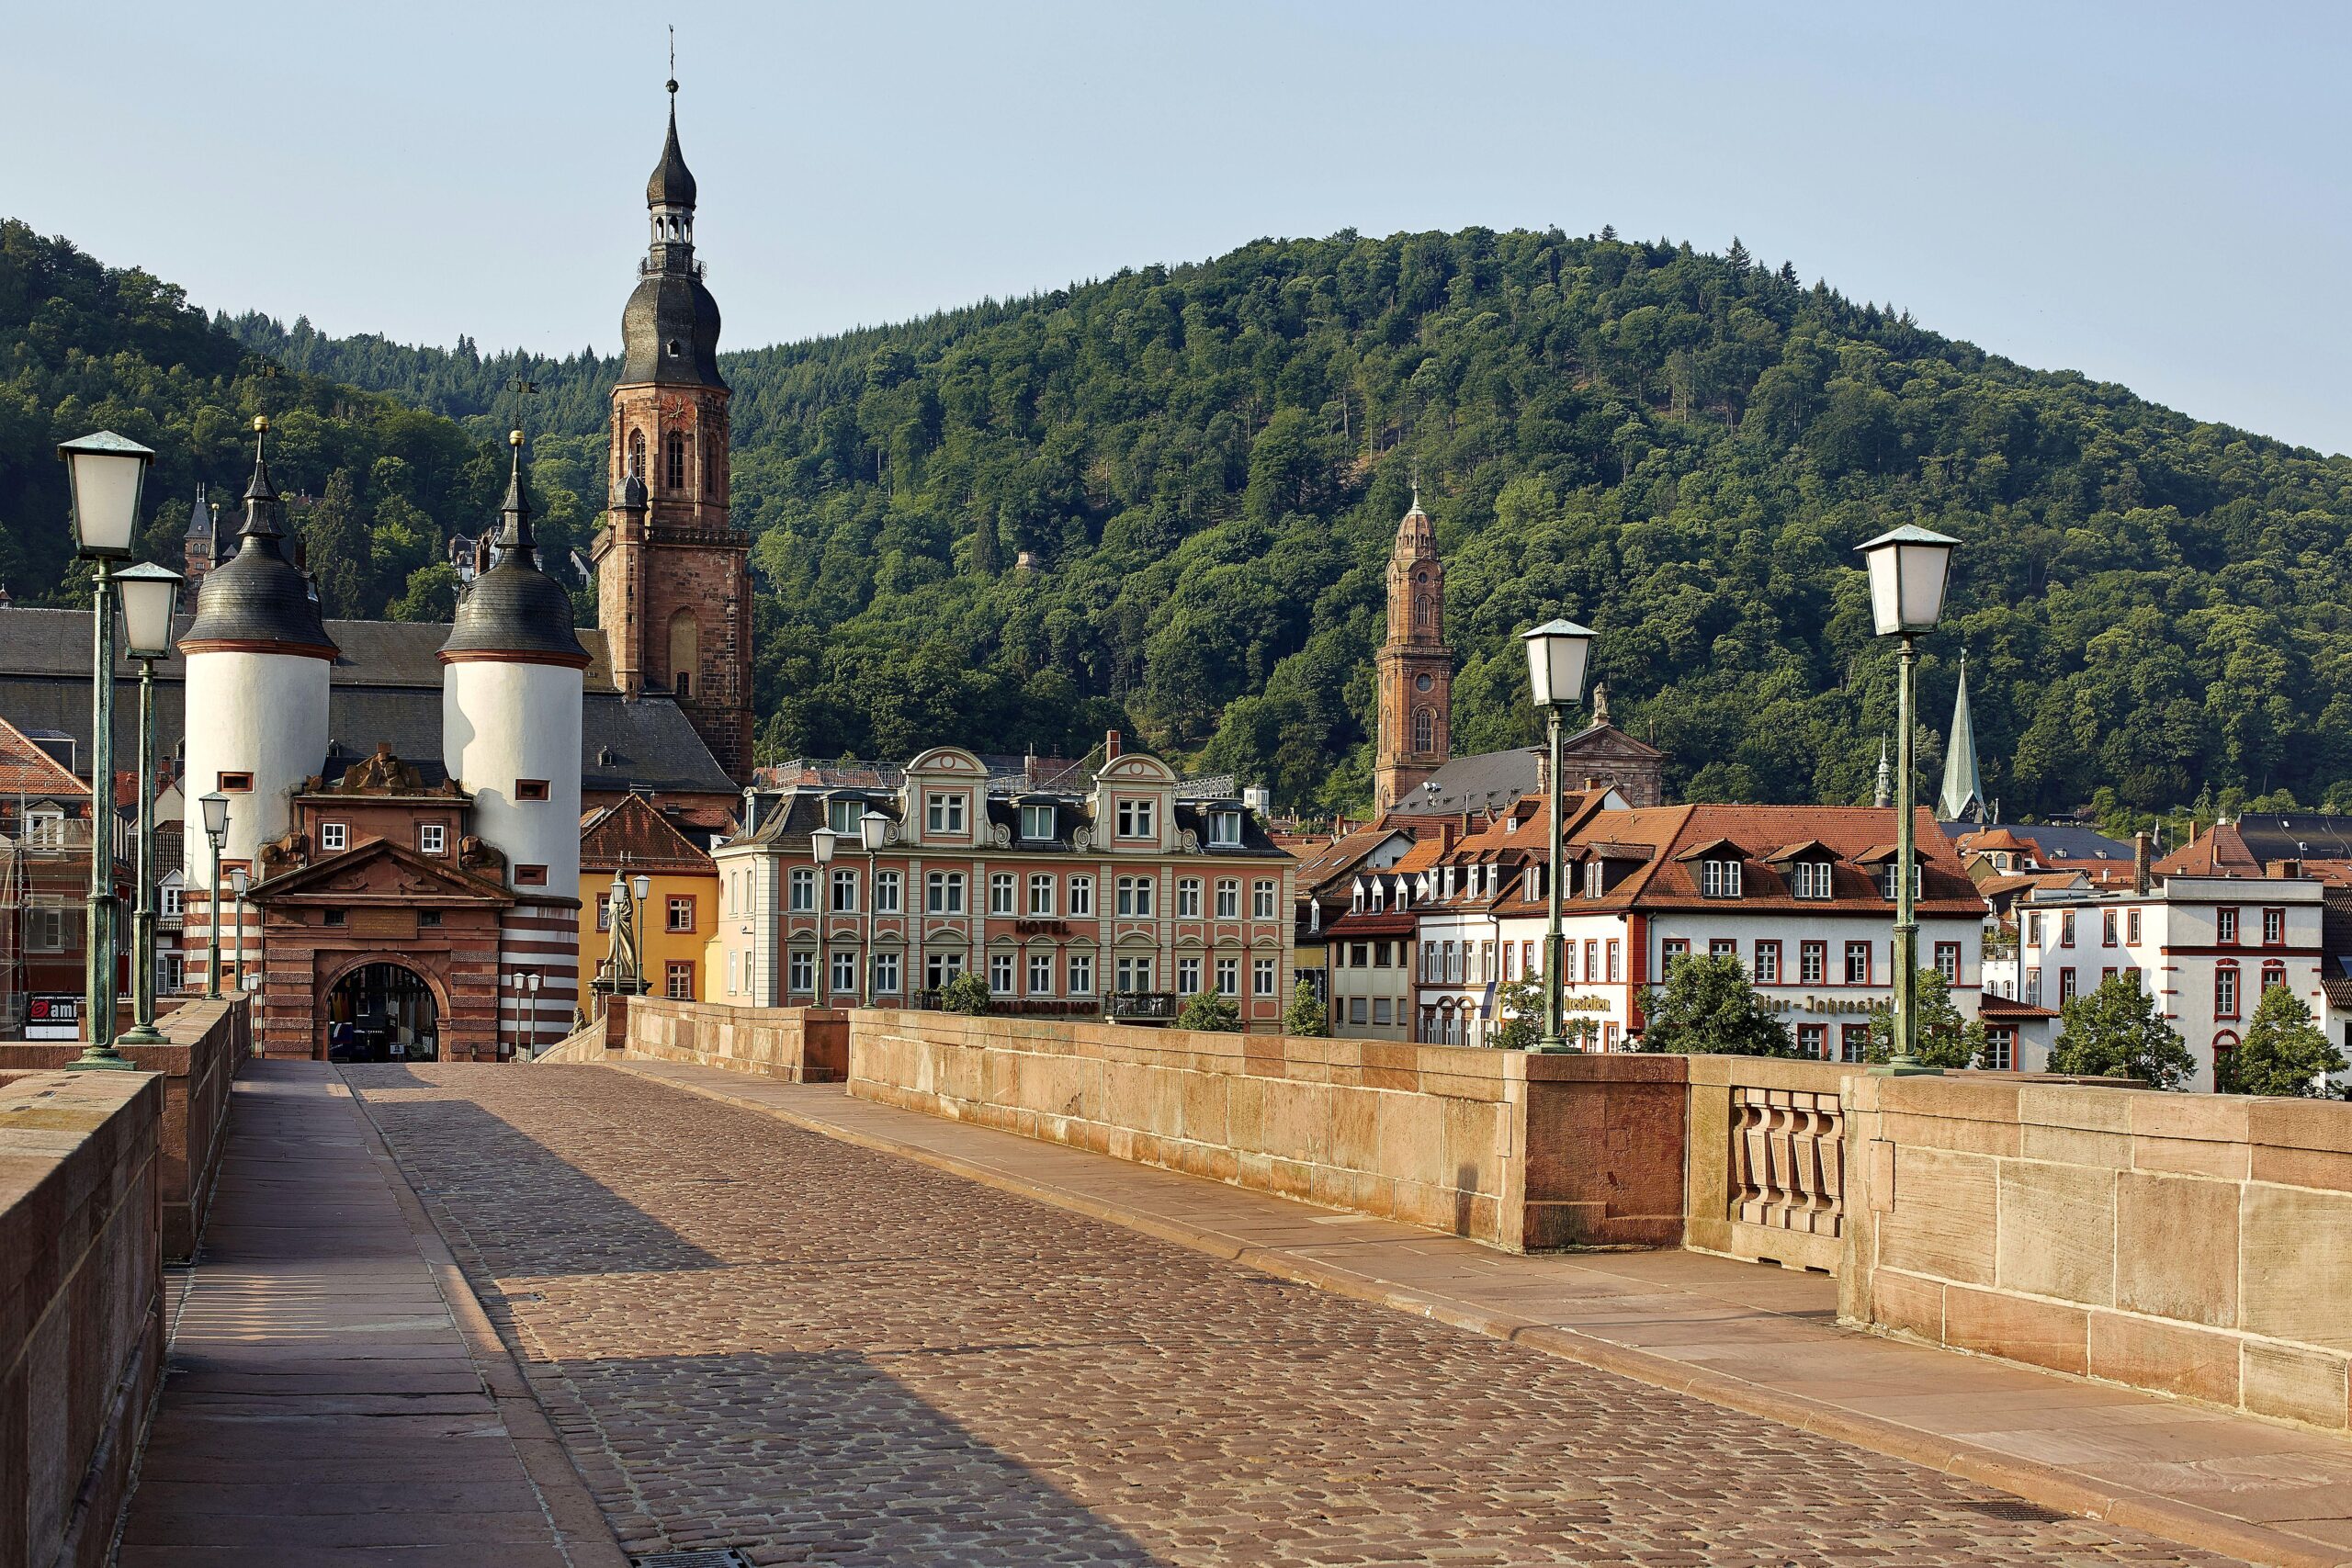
x,y
896,1288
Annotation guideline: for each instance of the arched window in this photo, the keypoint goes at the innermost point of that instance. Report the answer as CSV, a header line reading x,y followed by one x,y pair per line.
x,y
1425,730
677,446
2225,1042
637,453
685,652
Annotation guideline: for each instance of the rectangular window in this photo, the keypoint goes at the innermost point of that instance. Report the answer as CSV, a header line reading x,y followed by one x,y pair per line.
x,y
942,892
236,783
1136,818
1857,963
2066,928
943,813
2000,1049
1082,896
887,886
1188,899
804,891
530,876
2033,928
1134,895
2132,927
1041,894
1670,951
841,891
1380,956
938,969
2274,928
678,980
1081,973
1813,1040
682,912
1228,900
1228,976
1381,1010
1768,962
1133,974
1000,974
331,917
1224,830
800,971
1811,879
1003,887
1036,823
432,837
1359,955
841,817
1261,976
733,968
1188,977
2066,986
1723,947
842,971
428,919
335,837
2225,990
170,902
603,911
1616,970
1356,1009
1813,964
1948,962
1262,900
2225,926
1591,963
2107,928
1041,974
1853,1042
531,789
1719,878
886,973
2033,986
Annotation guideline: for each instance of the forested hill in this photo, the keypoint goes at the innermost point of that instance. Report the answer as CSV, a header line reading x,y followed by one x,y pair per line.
x,y
1204,466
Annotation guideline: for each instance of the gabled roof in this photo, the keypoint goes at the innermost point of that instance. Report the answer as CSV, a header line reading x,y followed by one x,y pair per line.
x,y
1800,849
1339,857
1716,848
27,769
633,832
2221,852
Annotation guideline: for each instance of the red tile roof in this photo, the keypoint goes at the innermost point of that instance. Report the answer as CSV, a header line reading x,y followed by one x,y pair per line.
x,y
27,769
634,828
2220,852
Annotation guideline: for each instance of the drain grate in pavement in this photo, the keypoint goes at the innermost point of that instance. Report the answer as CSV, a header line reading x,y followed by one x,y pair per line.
x,y
2018,1512
705,1557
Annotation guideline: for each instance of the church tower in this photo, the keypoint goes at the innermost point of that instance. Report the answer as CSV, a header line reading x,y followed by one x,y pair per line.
x,y
1416,667
674,592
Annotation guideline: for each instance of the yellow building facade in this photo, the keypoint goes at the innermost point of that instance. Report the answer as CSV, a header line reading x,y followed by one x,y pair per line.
x,y
679,916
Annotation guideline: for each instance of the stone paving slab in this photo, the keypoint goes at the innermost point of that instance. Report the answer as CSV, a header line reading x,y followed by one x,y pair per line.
x,y
758,1336
321,1403
1748,1337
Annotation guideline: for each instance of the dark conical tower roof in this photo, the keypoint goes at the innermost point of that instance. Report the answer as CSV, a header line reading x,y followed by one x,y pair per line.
x,y
673,183
515,610
258,599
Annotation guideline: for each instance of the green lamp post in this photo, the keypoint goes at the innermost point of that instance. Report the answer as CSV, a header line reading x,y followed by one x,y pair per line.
x,y
1557,653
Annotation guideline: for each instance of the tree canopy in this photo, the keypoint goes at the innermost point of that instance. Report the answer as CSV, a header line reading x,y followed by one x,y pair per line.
x,y
1709,1006
2119,1032
2283,1054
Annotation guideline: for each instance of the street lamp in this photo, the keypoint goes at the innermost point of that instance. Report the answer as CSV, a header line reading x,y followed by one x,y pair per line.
x,y
239,880
1558,652
642,886
105,472
148,594
215,828
1908,568
872,832
824,843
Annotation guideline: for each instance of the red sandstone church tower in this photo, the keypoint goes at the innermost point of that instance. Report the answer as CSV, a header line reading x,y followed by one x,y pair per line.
x,y
1416,667
674,592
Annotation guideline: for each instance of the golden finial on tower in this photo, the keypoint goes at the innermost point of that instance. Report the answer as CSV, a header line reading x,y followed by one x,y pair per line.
x,y
513,438
261,423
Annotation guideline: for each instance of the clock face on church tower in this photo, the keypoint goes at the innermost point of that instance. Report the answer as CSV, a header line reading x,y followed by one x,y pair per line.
x,y
1422,682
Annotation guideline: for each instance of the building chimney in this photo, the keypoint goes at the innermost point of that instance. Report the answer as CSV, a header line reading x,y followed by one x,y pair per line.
x,y
1111,746
2139,863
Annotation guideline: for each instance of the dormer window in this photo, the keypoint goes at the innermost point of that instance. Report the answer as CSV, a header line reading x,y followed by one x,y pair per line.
x,y
1719,878
1136,819
1037,823
943,813
1809,879
1887,886
1224,830
842,815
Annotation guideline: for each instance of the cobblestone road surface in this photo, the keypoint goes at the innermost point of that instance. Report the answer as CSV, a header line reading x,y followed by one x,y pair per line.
x,y
753,1336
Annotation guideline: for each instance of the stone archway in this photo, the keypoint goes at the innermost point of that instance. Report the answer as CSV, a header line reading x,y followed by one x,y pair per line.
x,y
380,1008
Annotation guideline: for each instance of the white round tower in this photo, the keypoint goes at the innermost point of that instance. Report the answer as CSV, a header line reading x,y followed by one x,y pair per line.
x,y
257,663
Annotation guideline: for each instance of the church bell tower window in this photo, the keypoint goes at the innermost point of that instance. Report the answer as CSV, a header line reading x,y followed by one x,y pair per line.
x,y
677,446
636,454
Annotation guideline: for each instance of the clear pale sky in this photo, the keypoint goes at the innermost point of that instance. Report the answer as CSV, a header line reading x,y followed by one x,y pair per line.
x,y
2151,194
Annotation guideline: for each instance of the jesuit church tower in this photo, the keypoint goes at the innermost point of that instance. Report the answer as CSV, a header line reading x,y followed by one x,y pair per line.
x,y
1416,667
673,572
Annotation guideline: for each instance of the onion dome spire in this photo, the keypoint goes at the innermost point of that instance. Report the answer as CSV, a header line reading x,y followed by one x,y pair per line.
x,y
514,611
669,328
258,599
673,183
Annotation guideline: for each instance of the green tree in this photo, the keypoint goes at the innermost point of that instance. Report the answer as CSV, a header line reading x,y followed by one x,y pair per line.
x,y
1305,1015
1210,1013
2118,1032
1945,1039
336,545
2283,1054
1521,1005
1708,1006
431,594
967,994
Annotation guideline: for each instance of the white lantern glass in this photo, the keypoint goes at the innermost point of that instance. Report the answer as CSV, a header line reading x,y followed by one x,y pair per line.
x,y
148,591
1909,567
643,887
873,830
216,815
1557,654
105,472
825,841
239,880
